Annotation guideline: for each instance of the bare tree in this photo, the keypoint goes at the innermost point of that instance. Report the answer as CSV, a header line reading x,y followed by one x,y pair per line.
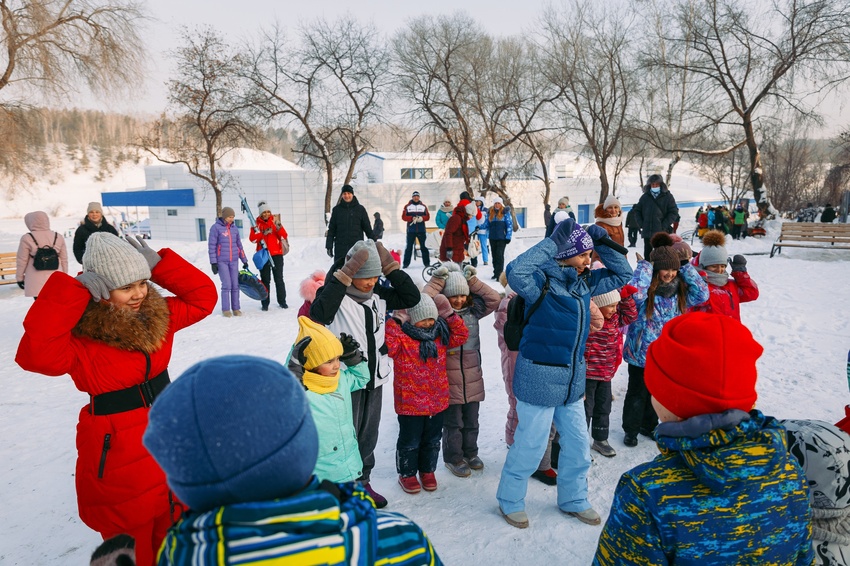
x,y
798,167
471,94
330,86
758,57
50,48
731,173
589,57
208,116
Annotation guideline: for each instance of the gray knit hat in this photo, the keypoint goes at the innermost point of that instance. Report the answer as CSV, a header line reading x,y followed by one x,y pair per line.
x,y
610,298
113,258
714,252
264,207
94,206
456,284
425,308
372,267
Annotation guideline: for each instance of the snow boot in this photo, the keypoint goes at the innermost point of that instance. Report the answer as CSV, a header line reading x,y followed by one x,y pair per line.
x,y
226,314
237,313
461,470
429,481
588,516
380,500
475,463
630,440
409,484
517,519
603,448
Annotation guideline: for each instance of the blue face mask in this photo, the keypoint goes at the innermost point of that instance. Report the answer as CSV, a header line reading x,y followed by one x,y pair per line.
x,y
655,190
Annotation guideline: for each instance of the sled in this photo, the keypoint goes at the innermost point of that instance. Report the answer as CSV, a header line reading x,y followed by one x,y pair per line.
x,y
251,286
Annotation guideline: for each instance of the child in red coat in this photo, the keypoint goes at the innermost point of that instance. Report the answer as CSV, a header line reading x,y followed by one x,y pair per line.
x,y
604,354
725,293
418,342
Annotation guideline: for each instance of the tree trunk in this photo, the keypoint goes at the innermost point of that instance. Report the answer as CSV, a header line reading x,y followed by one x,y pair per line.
x,y
329,188
756,172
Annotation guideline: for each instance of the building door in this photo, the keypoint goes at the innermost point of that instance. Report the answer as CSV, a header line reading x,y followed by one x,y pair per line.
x,y
202,230
520,216
583,213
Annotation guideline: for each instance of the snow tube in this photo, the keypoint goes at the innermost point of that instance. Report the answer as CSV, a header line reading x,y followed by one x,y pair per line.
x,y
251,285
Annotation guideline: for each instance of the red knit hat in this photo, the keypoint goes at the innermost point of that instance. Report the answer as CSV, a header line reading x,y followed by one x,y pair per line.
x,y
703,363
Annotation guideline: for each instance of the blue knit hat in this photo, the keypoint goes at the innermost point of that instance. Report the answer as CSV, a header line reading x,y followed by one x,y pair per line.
x,y
233,429
577,243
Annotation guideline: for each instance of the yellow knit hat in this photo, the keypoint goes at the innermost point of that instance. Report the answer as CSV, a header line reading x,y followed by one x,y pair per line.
x,y
323,348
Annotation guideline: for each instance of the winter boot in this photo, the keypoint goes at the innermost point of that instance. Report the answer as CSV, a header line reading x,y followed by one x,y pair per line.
x,y
461,470
475,463
630,440
409,484
603,448
588,516
517,519
548,477
237,313
429,481
226,314
380,500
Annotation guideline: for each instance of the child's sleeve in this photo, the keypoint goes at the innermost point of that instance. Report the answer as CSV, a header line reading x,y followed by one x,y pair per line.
x,y
697,287
641,279
747,288
195,293
358,376
488,298
627,310
458,330
597,319
393,336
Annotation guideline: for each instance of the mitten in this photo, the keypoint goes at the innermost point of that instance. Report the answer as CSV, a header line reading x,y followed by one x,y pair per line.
x,y
347,272
739,263
214,267
298,357
20,284
330,252
143,248
351,354
444,308
596,232
561,234
628,291
441,272
388,263
469,272
98,285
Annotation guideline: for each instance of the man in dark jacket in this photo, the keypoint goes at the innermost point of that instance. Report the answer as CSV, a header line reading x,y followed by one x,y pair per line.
x,y
828,214
415,213
632,226
349,223
93,222
655,211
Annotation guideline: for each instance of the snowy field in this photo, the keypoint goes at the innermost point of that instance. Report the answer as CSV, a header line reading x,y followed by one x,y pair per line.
x,y
802,319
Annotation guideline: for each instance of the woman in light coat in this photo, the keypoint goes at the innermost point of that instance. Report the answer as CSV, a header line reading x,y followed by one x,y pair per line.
x,y
30,279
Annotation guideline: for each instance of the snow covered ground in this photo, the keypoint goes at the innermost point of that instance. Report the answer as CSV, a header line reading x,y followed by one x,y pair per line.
x,y
802,319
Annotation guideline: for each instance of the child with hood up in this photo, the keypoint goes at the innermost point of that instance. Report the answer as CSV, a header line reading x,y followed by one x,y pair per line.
x,y
418,339
308,289
725,294
315,361
472,300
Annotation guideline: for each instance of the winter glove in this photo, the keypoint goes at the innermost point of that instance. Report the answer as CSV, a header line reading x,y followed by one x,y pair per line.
x,y
469,272
214,267
330,252
561,234
441,272
98,285
298,358
738,263
444,308
351,354
388,263
143,248
627,291
347,272
20,284
244,267
596,232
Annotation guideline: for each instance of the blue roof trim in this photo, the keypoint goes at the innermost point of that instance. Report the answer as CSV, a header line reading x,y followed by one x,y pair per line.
x,y
162,197
375,155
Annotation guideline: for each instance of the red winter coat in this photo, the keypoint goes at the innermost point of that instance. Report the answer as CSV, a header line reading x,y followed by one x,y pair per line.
x,y
727,299
421,388
130,494
604,349
273,239
455,236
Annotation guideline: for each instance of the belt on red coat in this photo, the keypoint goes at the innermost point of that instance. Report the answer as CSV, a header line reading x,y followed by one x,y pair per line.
x,y
130,398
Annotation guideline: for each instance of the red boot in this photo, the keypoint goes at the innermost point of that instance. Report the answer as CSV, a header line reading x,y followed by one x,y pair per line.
x,y
409,484
429,481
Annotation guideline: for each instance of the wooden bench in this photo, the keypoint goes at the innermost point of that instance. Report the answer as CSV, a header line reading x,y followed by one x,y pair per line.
x,y
812,235
8,267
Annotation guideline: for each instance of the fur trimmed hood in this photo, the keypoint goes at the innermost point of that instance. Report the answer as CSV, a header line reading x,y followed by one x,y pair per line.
x,y
311,285
143,331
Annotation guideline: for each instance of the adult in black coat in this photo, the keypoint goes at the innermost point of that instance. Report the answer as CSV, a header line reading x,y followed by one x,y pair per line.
x,y
655,211
828,214
632,226
378,227
93,222
349,223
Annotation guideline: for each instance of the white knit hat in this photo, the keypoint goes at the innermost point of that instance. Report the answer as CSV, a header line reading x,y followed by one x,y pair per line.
x,y
94,206
264,207
610,201
113,258
425,308
498,200
610,298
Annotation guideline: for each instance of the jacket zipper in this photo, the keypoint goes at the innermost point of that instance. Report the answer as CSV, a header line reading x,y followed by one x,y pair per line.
x,y
106,439
462,373
575,347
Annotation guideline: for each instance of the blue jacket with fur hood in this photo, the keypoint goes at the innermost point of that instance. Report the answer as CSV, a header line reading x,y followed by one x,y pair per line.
x,y
550,367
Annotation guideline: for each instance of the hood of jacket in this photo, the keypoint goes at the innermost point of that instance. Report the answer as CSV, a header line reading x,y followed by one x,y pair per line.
x,y
37,220
724,449
663,188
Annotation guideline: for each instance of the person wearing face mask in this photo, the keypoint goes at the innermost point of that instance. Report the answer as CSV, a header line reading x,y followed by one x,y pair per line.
x,y
549,376
655,211
351,303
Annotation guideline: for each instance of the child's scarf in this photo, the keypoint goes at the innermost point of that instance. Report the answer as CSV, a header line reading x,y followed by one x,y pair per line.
x,y
718,279
427,337
320,384
667,290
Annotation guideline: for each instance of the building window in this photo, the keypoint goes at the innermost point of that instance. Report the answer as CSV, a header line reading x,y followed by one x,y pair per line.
x,y
417,173
202,230
238,224
520,216
171,211
457,172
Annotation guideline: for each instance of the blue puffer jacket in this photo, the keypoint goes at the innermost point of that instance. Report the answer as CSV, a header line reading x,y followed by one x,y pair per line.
x,y
724,490
501,228
643,332
550,367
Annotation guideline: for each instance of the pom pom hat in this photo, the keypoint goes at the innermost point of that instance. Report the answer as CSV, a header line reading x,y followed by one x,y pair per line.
x,y
113,258
703,363
663,256
233,429
714,250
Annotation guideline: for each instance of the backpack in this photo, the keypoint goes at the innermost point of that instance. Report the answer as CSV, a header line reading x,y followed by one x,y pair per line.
x,y
517,320
46,258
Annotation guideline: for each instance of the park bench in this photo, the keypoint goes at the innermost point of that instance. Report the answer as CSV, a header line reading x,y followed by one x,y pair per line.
x,y
812,235
8,267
